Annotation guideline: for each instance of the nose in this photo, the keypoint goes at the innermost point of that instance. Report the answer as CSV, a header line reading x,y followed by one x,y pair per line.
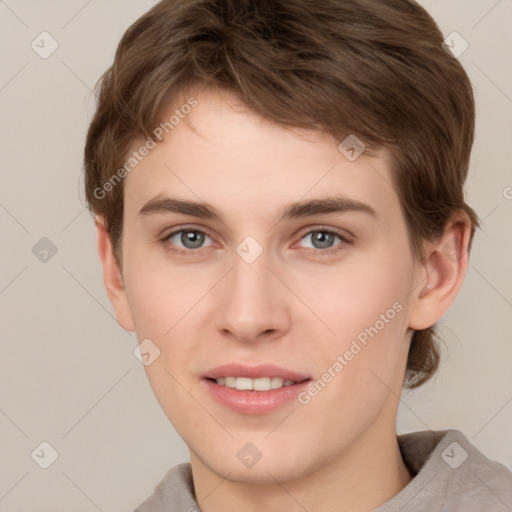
x,y
253,304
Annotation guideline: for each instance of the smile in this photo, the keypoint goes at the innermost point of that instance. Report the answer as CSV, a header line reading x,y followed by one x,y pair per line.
x,y
259,384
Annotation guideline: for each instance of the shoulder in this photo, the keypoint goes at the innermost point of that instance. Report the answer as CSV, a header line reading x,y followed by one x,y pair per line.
x,y
450,473
174,492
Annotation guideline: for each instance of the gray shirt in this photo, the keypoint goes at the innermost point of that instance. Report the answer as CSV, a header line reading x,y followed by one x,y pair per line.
x,y
450,475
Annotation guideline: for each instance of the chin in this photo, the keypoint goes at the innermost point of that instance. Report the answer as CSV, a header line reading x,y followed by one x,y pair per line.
x,y
265,471
262,474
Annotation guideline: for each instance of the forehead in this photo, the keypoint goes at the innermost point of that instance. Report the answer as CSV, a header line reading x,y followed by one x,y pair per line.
x,y
222,153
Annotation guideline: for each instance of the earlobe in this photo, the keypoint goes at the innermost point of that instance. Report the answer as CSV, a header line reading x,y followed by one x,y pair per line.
x,y
442,275
112,278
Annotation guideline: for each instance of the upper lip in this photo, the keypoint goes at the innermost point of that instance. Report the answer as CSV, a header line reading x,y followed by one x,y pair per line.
x,y
254,372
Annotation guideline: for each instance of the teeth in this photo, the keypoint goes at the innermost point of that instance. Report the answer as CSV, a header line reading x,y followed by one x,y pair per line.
x,y
242,383
229,382
260,384
276,383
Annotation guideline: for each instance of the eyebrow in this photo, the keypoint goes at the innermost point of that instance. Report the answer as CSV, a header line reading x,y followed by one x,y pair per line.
x,y
297,210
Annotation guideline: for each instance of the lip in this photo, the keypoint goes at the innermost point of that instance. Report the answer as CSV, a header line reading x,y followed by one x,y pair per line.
x,y
254,372
254,402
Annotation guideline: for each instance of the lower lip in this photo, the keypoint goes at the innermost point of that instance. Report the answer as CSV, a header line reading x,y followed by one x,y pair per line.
x,y
254,402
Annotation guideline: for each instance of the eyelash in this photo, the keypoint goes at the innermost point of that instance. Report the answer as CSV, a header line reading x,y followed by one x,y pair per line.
x,y
188,252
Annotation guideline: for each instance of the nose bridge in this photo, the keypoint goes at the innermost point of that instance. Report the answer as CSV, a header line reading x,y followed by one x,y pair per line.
x,y
250,274
252,301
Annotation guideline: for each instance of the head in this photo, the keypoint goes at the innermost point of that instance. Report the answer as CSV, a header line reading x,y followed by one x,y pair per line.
x,y
251,107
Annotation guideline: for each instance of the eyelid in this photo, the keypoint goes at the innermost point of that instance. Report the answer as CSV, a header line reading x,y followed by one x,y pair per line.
x,y
342,233
305,230
179,229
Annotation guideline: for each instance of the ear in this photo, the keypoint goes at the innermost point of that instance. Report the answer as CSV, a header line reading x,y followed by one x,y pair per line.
x,y
112,277
441,276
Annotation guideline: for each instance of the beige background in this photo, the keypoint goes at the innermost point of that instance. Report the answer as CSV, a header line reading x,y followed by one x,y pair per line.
x,y
68,373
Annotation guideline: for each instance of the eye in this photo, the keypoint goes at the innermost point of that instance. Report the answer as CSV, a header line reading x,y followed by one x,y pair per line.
x,y
190,240
322,239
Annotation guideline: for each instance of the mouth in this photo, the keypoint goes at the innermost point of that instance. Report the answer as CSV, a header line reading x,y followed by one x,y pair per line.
x,y
254,390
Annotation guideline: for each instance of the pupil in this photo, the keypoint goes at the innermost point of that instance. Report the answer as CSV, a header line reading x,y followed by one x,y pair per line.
x,y
324,238
194,237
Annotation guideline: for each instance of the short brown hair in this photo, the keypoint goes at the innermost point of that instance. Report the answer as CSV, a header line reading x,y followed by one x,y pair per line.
x,y
365,67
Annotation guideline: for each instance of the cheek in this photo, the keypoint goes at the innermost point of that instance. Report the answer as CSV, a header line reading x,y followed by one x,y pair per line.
x,y
163,302
160,296
176,400
365,308
355,295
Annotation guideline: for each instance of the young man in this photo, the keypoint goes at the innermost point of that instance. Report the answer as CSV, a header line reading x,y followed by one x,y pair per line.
x,y
278,191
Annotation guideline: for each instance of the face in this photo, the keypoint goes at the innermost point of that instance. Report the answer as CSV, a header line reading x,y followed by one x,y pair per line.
x,y
319,295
